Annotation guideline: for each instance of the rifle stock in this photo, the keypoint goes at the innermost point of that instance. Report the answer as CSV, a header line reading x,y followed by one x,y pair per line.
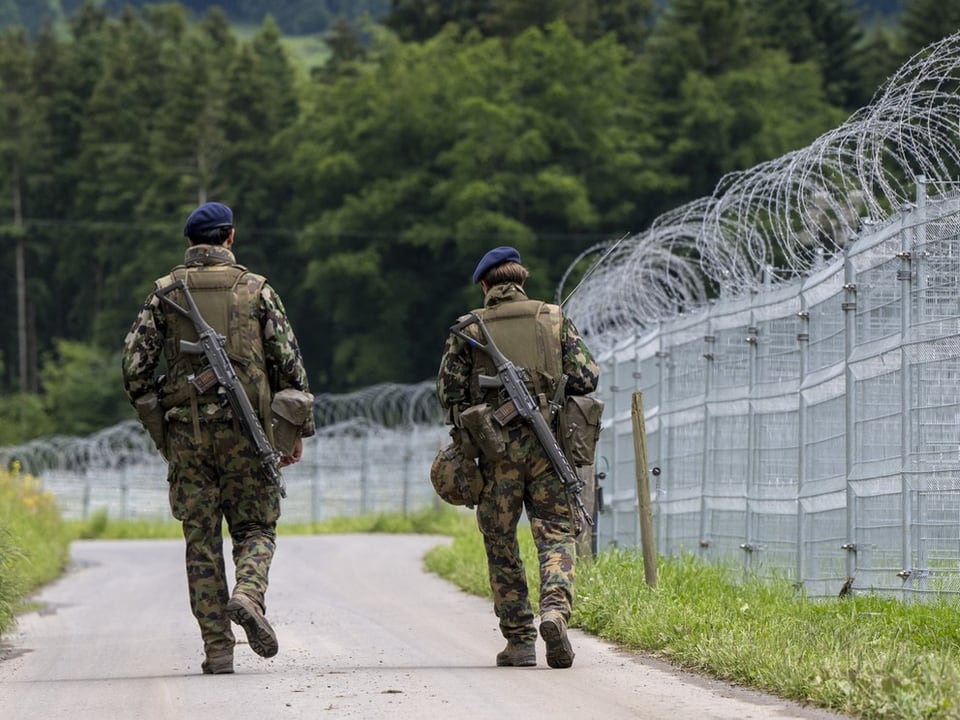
x,y
220,371
511,379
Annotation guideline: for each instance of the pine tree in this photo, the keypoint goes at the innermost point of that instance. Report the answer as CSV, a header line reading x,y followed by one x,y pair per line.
x,y
927,21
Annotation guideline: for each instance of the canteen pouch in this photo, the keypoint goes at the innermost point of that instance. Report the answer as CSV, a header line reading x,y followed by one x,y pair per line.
x,y
580,428
290,409
477,420
152,417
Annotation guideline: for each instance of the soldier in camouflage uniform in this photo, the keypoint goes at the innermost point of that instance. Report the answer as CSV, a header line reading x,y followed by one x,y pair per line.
x,y
214,470
536,337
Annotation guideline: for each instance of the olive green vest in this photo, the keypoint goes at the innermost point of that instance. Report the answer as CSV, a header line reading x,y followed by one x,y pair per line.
x,y
528,333
228,298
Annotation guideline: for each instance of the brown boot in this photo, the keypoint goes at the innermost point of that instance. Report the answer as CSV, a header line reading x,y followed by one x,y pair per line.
x,y
248,615
518,654
217,665
553,630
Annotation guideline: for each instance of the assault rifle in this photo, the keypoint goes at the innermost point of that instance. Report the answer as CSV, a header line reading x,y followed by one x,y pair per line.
x,y
220,371
509,377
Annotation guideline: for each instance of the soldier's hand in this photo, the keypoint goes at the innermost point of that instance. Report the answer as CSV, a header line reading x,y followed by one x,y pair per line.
x,y
295,457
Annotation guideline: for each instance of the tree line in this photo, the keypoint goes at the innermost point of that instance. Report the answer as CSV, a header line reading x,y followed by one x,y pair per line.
x,y
367,188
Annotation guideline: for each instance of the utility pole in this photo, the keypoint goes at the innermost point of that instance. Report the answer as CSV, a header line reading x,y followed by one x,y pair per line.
x,y
23,354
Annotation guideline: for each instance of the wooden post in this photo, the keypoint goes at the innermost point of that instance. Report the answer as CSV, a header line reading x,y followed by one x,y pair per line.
x,y
647,543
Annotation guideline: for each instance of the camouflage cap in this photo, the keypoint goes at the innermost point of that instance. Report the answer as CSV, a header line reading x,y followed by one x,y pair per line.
x,y
291,409
456,479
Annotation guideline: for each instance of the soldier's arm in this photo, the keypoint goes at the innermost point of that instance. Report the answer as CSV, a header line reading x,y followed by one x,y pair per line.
x,y
581,369
453,378
285,367
142,350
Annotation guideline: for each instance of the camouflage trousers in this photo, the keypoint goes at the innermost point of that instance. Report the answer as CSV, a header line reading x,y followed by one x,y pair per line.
x,y
214,480
524,479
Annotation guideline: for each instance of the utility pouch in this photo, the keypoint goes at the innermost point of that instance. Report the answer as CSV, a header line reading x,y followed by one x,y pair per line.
x,y
203,380
580,428
505,413
477,420
291,409
152,417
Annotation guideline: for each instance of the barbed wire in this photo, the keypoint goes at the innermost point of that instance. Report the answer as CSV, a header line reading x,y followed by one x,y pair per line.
x,y
384,405
379,409
783,219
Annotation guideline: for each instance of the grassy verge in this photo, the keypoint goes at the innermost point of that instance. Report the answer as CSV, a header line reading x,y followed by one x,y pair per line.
x,y
429,522
34,543
863,655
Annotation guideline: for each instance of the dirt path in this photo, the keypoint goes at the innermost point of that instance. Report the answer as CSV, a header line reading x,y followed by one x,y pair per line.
x,y
364,633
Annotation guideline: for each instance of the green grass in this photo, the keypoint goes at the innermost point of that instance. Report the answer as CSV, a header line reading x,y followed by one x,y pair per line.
x,y
429,522
869,657
863,655
99,526
34,543
443,521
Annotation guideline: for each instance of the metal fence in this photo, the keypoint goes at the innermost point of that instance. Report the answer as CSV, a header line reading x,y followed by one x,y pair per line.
x,y
371,455
810,431
804,421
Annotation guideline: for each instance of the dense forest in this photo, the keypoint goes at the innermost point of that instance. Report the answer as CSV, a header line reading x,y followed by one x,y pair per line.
x,y
367,187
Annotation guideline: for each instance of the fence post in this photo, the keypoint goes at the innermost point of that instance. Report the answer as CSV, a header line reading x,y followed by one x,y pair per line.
x,y
905,276
751,551
709,342
849,307
407,463
662,358
364,454
803,341
314,479
648,546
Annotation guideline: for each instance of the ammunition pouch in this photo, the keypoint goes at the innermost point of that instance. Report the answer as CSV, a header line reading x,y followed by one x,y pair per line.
x,y
456,478
579,428
477,421
152,417
291,409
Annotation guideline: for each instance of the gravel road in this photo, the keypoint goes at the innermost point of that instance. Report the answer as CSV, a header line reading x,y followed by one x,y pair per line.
x,y
364,633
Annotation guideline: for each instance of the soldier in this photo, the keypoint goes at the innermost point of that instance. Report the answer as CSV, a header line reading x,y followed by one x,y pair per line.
x,y
537,338
214,470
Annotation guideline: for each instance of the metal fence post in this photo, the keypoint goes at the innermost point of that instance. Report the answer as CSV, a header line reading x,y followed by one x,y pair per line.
x,y
849,307
709,345
364,472
803,341
661,518
905,276
751,551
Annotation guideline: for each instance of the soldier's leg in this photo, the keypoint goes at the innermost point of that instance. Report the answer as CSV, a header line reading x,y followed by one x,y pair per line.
x,y
498,513
553,527
251,506
553,524
194,500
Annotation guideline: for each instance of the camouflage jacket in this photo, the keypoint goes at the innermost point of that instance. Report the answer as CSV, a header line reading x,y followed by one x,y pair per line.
x,y
456,364
144,343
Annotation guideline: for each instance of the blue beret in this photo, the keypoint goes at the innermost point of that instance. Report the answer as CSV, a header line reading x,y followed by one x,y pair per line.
x,y
497,256
207,217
